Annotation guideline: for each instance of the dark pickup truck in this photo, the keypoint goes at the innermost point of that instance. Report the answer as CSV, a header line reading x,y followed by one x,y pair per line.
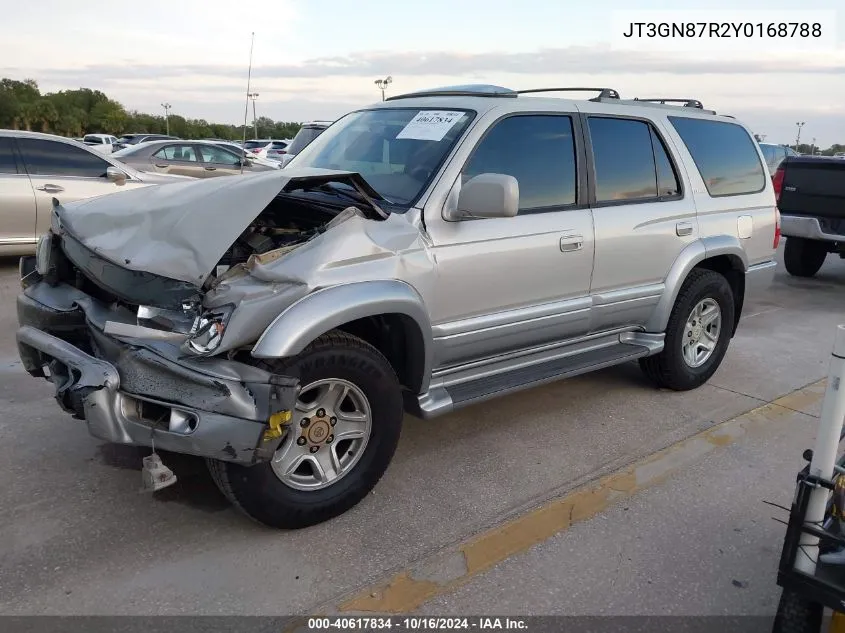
x,y
811,201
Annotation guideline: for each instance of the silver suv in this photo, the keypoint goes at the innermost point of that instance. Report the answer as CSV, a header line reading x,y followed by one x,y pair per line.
x,y
422,254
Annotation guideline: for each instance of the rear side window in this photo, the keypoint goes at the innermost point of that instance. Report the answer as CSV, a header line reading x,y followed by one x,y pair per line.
x,y
631,161
52,158
93,139
725,155
537,150
8,164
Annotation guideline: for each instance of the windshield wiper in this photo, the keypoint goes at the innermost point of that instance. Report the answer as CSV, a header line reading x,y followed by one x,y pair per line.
x,y
356,194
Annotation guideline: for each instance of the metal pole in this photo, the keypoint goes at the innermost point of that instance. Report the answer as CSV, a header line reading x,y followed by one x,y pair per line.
x,y
824,453
248,86
254,119
798,138
166,107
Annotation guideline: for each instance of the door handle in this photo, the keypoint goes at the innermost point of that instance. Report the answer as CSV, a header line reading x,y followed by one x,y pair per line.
x,y
571,243
683,228
210,168
160,165
50,188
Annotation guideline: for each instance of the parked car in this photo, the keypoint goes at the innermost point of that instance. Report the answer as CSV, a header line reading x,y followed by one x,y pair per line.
x,y
307,133
775,155
200,159
128,140
36,168
811,199
253,144
245,153
423,254
273,150
102,143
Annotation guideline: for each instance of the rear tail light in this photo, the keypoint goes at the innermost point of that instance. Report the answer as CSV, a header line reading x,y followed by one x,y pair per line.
x,y
777,181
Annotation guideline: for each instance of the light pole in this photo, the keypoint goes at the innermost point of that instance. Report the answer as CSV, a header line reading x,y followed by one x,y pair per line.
x,y
800,124
167,107
254,96
813,147
382,84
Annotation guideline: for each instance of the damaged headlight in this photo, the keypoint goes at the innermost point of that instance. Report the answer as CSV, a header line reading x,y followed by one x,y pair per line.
x,y
208,329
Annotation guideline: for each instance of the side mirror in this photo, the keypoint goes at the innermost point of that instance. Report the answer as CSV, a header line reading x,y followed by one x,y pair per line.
x,y
488,196
115,175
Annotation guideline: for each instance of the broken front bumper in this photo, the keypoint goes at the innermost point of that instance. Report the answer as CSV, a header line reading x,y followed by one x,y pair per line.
x,y
132,391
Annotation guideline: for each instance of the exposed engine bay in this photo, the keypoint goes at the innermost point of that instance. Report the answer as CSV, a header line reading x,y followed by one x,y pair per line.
x,y
286,221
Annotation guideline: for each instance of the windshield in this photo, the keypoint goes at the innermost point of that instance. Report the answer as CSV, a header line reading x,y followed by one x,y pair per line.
x,y
397,150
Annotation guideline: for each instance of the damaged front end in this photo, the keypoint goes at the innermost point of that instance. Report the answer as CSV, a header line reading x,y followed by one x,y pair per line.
x,y
145,324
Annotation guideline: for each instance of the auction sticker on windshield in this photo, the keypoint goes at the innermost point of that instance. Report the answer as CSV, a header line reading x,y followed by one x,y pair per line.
x,y
430,125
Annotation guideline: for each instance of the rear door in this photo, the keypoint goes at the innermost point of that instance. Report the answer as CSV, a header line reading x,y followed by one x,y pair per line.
x,y
64,171
180,159
17,199
644,216
217,161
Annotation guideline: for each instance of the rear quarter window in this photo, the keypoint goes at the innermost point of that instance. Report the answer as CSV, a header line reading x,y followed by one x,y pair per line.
x,y
725,155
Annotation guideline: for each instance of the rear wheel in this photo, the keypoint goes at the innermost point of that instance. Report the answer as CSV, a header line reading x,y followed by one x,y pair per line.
x,y
803,257
342,437
697,335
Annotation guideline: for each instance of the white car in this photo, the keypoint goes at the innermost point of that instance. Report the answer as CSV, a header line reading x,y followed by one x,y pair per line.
x,y
102,143
273,150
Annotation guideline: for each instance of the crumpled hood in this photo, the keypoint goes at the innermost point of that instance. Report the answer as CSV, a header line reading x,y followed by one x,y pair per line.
x,y
181,230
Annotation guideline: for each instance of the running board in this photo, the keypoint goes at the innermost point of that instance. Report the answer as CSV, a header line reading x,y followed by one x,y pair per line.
x,y
457,393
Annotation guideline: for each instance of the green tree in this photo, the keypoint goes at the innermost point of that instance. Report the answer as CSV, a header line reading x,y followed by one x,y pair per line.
x,y
85,111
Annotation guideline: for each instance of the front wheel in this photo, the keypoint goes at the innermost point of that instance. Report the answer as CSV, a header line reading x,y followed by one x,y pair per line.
x,y
343,435
697,335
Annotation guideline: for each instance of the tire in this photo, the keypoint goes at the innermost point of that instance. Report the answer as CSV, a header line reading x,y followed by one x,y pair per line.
x,y
669,369
803,257
797,615
335,358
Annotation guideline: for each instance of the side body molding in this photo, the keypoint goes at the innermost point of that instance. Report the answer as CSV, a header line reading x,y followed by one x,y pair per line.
x,y
690,257
327,308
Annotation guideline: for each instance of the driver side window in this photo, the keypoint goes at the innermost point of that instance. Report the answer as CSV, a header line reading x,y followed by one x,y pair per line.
x,y
537,150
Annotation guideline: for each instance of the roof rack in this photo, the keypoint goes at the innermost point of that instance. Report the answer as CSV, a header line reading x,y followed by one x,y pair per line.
x,y
604,93
688,103
468,90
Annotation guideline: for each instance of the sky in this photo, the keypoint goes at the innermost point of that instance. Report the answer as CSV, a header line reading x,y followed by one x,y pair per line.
x,y
318,59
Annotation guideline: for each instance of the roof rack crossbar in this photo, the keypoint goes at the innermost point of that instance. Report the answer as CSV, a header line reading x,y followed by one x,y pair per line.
x,y
688,103
604,93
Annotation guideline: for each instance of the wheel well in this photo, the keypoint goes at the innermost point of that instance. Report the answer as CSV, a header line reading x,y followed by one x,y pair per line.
x,y
731,268
399,338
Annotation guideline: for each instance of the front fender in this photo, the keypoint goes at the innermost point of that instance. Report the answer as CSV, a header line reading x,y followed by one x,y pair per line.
x,y
328,308
690,257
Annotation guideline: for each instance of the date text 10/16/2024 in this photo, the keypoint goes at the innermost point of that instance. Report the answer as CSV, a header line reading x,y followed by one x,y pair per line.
x,y
417,624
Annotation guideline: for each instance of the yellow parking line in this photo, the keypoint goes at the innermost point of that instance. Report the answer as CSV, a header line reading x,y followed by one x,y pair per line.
x,y
410,588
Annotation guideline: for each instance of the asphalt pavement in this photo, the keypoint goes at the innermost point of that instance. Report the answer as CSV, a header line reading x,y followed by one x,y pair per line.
x,y
670,535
